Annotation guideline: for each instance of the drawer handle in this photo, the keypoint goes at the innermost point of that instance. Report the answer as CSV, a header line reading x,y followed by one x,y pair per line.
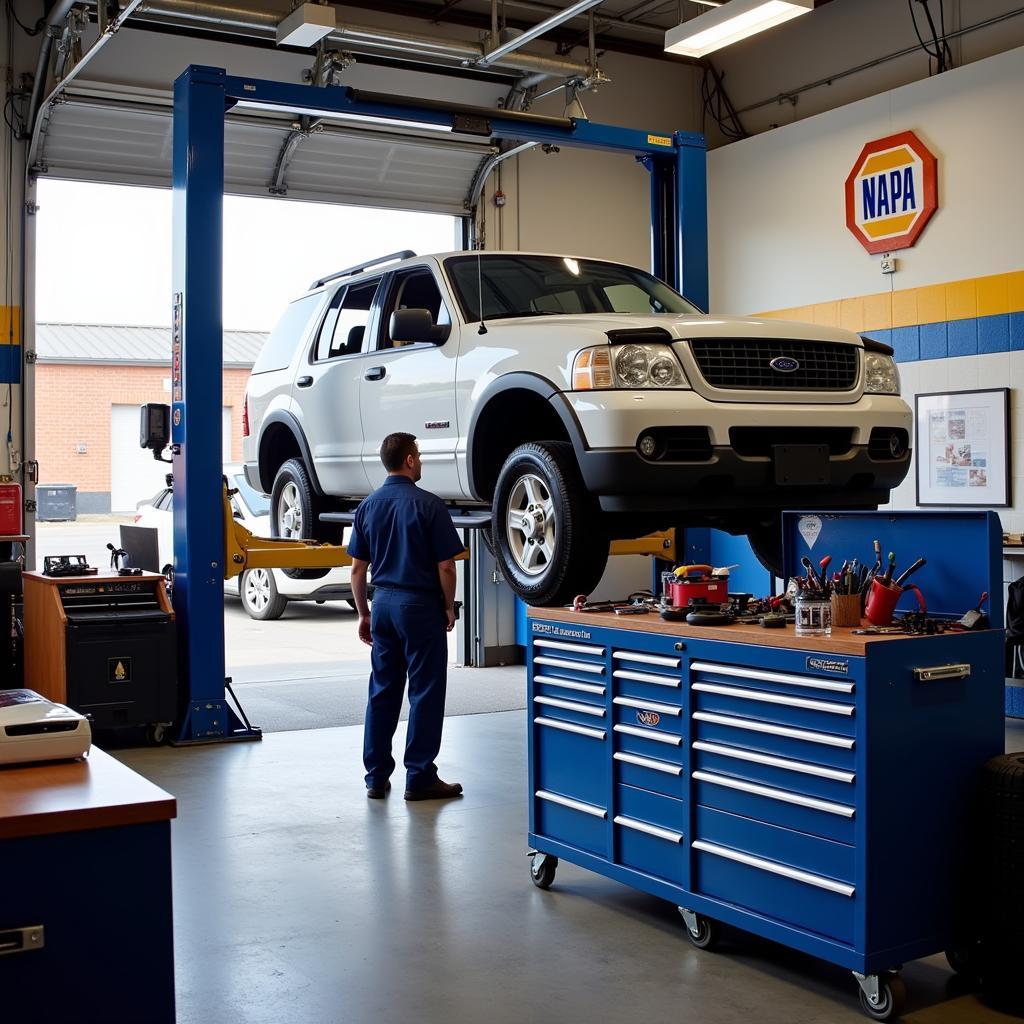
x,y
646,705
650,734
574,805
570,705
775,762
646,677
837,686
774,868
840,810
570,684
927,675
751,725
561,645
21,940
775,698
580,730
651,830
576,666
646,659
647,762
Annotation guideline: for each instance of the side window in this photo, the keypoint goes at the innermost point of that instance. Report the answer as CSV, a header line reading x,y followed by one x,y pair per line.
x,y
277,350
342,331
416,290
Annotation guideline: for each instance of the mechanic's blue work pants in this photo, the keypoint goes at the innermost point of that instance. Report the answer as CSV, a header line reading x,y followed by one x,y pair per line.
x,y
409,638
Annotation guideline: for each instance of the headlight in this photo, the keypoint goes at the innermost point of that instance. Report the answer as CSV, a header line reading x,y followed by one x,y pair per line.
x,y
647,366
880,375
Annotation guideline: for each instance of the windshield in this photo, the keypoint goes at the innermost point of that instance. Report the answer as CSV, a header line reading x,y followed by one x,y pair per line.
x,y
512,285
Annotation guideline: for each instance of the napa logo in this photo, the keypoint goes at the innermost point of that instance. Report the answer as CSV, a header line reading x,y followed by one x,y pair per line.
x,y
891,193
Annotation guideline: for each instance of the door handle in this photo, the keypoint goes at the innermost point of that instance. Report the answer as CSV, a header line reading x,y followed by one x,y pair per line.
x,y
375,373
304,382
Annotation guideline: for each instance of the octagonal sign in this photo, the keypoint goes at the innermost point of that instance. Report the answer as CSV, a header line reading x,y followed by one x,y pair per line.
x,y
891,192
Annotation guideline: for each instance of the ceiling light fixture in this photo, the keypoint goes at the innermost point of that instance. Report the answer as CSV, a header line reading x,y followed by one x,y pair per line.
x,y
730,23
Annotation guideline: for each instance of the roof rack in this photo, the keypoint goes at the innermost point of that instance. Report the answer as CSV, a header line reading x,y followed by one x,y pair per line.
x,y
349,271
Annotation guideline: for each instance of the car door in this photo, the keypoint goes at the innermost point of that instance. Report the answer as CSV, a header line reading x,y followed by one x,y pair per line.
x,y
410,387
327,389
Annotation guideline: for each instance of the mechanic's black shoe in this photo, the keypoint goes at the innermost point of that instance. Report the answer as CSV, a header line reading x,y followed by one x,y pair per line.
x,y
378,792
437,790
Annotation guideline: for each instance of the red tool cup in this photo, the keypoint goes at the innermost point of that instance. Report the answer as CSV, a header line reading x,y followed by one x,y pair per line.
x,y
883,598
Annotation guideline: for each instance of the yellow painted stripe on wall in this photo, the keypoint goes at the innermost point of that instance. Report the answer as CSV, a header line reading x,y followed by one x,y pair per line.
x,y
10,325
909,307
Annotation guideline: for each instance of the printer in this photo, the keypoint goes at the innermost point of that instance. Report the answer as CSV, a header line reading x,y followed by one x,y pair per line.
x,y
33,728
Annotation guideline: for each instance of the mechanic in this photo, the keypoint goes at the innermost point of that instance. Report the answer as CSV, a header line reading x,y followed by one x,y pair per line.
x,y
407,536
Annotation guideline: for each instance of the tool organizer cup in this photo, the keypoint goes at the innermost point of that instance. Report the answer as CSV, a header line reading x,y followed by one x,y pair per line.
x,y
846,610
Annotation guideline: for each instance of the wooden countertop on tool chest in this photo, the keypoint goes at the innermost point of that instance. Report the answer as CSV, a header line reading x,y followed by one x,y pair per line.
x,y
842,640
100,577
71,796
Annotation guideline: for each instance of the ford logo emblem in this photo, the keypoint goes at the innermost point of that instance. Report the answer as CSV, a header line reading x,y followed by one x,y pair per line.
x,y
784,364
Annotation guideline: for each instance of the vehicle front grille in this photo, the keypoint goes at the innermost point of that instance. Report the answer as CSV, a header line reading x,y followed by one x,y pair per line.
x,y
758,441
745,364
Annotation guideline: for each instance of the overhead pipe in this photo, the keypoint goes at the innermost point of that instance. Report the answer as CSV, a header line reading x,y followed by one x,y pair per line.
x,y
230,17
488,165
60,10
507,49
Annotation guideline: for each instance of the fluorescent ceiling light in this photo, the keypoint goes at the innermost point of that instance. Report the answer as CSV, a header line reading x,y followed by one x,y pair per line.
x,y
730,23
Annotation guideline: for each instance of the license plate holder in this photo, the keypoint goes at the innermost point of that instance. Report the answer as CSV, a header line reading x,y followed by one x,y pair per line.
x,y
800,465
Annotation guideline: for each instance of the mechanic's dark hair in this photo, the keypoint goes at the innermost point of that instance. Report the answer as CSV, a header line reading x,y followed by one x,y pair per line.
x,y
395,449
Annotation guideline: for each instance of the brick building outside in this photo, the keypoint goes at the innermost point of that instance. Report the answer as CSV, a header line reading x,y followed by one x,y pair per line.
x,y
90,381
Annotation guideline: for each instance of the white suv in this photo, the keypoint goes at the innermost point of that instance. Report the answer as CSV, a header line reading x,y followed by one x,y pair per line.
x,y
577,400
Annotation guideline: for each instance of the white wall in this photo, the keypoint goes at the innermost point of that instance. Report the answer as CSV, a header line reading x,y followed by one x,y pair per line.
x,y
778,235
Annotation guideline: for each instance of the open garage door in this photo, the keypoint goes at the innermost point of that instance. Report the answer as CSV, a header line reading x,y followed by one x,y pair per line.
x,y
134,474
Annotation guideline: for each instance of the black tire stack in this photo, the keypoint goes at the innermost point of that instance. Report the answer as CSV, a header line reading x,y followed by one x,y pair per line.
x,y
999,883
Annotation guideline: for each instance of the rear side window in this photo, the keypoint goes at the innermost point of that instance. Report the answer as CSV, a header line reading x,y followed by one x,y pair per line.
x,y
277,350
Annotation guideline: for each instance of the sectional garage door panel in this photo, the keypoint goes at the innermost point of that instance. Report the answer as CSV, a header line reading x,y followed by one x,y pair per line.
x,y
101,140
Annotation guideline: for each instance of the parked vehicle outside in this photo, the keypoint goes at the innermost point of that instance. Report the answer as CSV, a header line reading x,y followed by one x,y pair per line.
x,y
265,593
575,400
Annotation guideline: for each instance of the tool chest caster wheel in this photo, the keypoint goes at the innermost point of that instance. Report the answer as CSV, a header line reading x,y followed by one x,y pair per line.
x,y
703,932
881,995
542,870
156,735
965,959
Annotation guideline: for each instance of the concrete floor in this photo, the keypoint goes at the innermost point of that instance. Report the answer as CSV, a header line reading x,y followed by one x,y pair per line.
x,y
298,901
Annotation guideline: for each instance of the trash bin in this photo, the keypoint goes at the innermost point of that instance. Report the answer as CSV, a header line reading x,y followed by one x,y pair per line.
x,y
56,503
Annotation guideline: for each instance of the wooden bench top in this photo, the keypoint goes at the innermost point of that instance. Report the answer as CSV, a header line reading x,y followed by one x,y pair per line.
x,y
70,796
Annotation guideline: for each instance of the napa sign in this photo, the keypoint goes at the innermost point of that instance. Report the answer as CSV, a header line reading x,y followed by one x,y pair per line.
x,y
891,192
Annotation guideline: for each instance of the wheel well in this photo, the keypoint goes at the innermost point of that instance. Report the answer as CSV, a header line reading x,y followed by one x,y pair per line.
x,y
277,446
507,421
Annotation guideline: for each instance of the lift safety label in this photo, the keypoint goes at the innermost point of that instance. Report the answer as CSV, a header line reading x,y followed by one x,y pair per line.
x,y
891,192
659,140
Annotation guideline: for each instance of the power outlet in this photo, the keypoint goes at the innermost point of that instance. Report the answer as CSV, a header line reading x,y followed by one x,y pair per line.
x,y
888,264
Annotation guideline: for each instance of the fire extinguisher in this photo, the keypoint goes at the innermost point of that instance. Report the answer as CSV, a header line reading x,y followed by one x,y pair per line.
x,y
10,507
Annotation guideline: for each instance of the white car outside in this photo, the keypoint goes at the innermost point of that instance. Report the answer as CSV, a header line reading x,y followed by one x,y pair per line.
x,y
265,593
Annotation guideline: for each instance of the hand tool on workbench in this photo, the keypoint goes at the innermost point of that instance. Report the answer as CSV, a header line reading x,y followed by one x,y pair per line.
x,y
887,578
902,578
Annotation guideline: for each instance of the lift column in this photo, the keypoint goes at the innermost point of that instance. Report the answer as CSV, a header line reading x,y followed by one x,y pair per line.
x,y
196,401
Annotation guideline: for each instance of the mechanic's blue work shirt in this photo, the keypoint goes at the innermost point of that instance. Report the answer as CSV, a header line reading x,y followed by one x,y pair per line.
x,y
403,532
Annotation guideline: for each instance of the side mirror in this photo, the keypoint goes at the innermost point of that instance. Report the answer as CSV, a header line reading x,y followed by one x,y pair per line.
x,y
408,326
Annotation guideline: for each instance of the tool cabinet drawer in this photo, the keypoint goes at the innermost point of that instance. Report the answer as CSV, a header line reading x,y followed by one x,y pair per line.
x,y
786,807
571,759
570,709
652,849
648,742
792,680
781,709
643,805
565,660
790,773
595,693
769,887
656,716
812,745
647,675
579,823
653,773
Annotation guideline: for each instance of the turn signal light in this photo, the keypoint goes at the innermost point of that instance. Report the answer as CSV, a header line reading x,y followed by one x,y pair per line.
x,y
245,415
591,369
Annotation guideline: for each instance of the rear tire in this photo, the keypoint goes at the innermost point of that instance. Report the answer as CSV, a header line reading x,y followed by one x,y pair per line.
x,y
295,509
545,527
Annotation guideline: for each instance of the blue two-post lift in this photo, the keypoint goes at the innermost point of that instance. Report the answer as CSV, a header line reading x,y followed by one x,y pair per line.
x,y
202,96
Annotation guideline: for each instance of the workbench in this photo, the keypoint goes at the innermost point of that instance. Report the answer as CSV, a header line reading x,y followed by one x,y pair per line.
x,y
814,791
85,906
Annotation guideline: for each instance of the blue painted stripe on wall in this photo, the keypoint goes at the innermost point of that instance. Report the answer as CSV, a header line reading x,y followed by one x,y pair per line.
x,y
976,336
10,364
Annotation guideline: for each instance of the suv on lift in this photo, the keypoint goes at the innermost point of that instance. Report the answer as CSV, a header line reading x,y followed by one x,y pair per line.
x,y
577,400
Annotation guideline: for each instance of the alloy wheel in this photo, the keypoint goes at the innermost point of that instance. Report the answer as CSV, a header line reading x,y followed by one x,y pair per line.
x,y
257,589
530,522
289,512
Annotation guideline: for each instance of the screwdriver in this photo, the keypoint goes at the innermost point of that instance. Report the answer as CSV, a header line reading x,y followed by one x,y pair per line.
x,y
900,580
887,578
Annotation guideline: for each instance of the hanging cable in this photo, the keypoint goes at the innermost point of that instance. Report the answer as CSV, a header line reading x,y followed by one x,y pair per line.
x,y
933,55
24,28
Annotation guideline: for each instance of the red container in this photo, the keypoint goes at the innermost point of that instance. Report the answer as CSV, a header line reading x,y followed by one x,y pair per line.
x,y
713,589
882,600
10,509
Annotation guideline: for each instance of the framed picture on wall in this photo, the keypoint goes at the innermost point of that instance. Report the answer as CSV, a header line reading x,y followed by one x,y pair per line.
x,y
963,448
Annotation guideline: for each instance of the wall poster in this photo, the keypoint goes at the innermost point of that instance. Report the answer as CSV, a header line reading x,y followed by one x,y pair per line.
x,y
963,448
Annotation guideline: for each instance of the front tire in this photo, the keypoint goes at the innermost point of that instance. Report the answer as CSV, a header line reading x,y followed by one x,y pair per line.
x,y
546,527
295,509
260,596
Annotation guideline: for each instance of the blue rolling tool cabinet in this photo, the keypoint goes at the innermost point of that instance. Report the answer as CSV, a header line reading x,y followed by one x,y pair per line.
x,y
814,791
